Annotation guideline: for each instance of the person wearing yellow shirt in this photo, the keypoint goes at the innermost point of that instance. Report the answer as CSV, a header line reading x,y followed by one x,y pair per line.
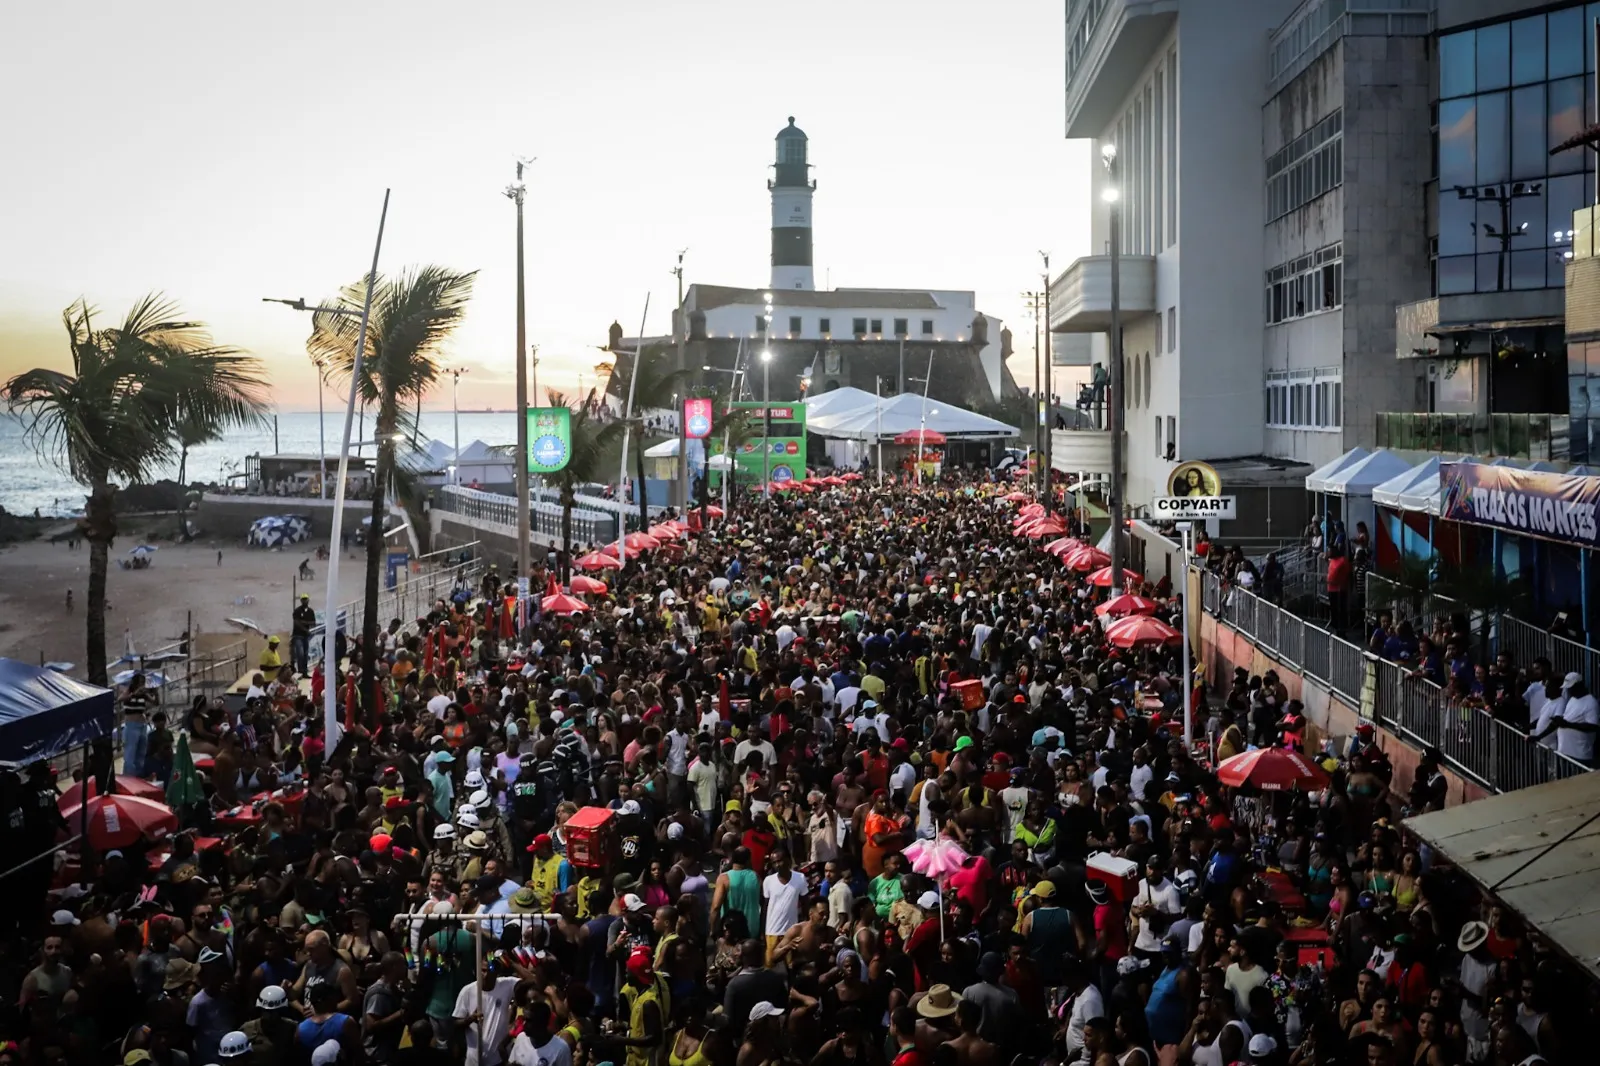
x,y
873,686
271,661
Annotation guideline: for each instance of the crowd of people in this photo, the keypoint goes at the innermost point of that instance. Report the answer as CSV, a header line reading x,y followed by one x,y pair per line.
x,y
853,779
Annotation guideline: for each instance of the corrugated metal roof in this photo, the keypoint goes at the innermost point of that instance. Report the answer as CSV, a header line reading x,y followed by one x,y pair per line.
x,y
1559,892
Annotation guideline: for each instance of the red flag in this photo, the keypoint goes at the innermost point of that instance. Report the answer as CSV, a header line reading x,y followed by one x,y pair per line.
x,y
724,701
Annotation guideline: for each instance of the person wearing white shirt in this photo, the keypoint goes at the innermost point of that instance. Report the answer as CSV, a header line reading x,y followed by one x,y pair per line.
x,y
1086,1003
1142,774
782,890
492,998
846,698
1577,722
1535,697
1155,904
437,705
756,742
902,779
1543,731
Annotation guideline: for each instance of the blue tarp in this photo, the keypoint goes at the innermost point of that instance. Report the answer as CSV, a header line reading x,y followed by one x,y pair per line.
x,y
43,713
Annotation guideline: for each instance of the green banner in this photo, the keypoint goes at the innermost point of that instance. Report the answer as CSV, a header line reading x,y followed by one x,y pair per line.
x,y
549,439
781,457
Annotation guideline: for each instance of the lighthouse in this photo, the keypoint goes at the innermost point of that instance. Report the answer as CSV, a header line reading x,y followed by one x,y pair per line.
x,y
791,211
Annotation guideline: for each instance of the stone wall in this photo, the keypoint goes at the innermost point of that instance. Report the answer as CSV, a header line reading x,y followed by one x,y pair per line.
x,y
230,516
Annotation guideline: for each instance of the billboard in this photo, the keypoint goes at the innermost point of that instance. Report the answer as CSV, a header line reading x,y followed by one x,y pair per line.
x,y
549,439
782,456
697,418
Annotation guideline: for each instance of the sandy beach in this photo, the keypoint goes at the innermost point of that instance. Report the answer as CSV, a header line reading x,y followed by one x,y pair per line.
x,y
153,606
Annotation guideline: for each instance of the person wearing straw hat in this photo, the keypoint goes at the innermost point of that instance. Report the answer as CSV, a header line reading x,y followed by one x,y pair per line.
x,y
1477,972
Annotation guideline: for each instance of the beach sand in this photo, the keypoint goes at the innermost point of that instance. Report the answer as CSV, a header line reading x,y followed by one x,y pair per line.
x,y
153,606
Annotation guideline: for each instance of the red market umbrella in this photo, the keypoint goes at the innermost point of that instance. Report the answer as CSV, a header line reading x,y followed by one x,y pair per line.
x,y
1085,559
121,821
640,542
783,486
121,785
920,436
1272,770
665,531
561,603
593,586
1127,604
1047,527
834,480
1016,497
598,561
1102,578
851,476
1033,510
1141,631
1064,545
624,552
713,511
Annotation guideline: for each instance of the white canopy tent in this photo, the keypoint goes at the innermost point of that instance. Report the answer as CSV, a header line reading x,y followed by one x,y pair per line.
x,y
894,415
1316,481
1416,489
837,400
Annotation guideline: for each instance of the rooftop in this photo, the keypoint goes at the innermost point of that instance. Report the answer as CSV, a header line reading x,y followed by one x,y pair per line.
x,y
708,297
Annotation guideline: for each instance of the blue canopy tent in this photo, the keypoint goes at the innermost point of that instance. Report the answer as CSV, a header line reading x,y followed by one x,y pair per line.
x,y
44,713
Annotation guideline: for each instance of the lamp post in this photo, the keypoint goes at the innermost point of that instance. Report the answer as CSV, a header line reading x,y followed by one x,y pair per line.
x,y
1108,155
766,416
877,392
1500,195
330,620
322,444
517,191
455,412
1044,412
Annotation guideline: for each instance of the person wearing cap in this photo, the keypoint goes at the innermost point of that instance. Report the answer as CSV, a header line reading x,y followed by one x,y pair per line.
x,y
302,620
1575,722
1048,929
483,1012
644,997
270,662
551,873
1263,1050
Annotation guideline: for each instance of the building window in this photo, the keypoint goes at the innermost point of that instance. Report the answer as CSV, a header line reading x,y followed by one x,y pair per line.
x,y
1308,285
1509,92
877,326
1158,335
927,327
900,327
1160,446
825,326
1172,329
1311,164
761,323
858,326
794,324
1172,436
1305,399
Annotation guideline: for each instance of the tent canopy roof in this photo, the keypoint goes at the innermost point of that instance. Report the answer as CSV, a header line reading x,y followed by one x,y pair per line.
x,y
1360,477
43,713
1490,839
895,415
1316,481
1416,489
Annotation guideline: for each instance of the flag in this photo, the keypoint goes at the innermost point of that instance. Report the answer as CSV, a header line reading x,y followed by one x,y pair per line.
x,y
184,788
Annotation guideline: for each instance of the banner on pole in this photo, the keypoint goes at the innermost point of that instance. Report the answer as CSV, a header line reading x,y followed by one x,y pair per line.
x,y
697,418
549,439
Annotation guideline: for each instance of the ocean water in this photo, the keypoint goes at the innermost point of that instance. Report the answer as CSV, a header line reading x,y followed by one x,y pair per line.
x,y
29,482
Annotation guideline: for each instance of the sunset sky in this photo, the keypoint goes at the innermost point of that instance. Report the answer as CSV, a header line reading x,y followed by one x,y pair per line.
x,y
222,153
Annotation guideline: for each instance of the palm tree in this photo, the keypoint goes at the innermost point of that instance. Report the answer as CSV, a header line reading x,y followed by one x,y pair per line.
x,y
413,314
592,441
114,418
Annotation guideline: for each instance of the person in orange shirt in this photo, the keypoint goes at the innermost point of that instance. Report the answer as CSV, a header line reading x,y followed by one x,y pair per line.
x,y
882,833
875,763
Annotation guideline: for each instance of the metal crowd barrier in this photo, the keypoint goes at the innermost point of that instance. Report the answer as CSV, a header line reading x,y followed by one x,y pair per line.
x,y
1495,754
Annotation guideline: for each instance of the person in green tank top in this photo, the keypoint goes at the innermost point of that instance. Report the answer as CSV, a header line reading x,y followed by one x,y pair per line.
x,y
739,889
1049,932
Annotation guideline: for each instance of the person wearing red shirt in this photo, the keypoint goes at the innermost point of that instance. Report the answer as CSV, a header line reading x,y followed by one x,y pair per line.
x,y
760,840
971,884
875,763
1110,930
1339,589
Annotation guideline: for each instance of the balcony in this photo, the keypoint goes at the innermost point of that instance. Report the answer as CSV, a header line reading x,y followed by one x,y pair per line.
x,y
1536,437
1109,44
1080,299
1080,451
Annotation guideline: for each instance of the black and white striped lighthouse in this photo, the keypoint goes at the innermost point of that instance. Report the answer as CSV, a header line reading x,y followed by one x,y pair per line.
x,y
791,211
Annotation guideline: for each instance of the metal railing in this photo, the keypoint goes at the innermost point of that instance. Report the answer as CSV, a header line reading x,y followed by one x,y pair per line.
x,y
1491,752
1528,642
594,521
414,594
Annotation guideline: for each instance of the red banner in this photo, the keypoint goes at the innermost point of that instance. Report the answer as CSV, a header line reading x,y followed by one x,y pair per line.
x,y
697,418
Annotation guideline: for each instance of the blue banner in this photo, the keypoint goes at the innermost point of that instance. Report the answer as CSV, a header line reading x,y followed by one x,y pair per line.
x,y
1558,507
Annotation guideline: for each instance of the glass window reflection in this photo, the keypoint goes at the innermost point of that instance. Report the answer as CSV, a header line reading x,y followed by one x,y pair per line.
x,y
1458,143
1527,50
1494,145
1455,274
1566,36
1494,57
1565,111
1458,65
1529,156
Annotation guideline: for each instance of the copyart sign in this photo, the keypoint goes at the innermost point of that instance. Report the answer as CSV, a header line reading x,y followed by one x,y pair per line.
x,y
1558,507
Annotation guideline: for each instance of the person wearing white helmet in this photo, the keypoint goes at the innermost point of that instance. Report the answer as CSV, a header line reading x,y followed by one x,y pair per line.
x,y
493,826
235,1048
271,1031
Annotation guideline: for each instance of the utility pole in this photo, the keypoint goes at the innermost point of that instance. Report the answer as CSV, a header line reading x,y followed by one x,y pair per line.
x,y
1108,153
900,383
455,412
680,329
1034,301
1044,412
517,191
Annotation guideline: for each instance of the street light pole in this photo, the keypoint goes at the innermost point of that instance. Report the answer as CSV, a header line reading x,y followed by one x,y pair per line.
x,y
1038,412
1108,153
330,618
455,411
922,430
1045,412
766,417
517,191
877,391
322,444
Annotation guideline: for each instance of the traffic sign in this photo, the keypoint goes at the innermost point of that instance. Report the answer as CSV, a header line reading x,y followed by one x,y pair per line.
x,y
1194,508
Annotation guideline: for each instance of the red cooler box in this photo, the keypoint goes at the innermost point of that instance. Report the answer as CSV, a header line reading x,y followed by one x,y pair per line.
x,y
1120,875
590,840
970,692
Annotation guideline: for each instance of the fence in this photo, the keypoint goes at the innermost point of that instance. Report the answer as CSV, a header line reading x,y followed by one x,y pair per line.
x,y
1496,755
414,594
590,524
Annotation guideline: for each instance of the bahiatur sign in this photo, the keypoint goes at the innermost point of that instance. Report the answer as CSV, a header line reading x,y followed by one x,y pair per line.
x,y
1558,507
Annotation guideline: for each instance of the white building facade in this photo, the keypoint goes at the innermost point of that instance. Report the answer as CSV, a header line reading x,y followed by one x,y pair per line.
x,y
1240,127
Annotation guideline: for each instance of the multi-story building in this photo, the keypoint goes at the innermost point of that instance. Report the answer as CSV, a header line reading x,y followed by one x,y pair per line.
x,y
1284,147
